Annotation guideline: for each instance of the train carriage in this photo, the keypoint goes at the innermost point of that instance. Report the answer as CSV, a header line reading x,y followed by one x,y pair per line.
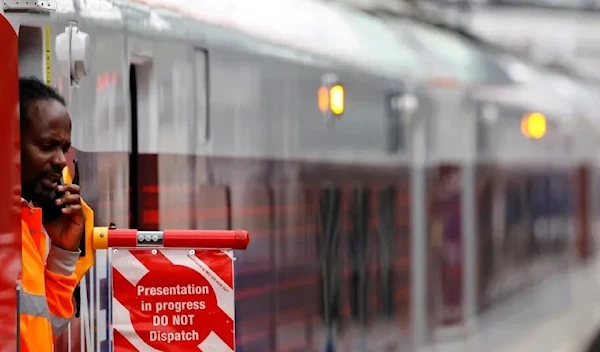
x,y
212,115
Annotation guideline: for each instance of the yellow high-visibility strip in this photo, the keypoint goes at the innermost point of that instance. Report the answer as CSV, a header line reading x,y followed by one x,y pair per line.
x,y
48,60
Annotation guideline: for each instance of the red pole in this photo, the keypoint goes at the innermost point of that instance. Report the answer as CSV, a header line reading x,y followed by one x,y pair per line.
x,y
131,238
122,238
236,239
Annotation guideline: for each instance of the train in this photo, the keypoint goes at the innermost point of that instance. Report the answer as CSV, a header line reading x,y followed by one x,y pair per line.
x,y
396,177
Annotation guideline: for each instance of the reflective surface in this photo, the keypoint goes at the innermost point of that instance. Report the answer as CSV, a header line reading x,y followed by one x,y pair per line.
x,y
526,228
10,226
184,124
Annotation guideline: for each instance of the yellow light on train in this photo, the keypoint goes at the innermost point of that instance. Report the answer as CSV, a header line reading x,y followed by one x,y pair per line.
x,y
534,125
323,99
337,99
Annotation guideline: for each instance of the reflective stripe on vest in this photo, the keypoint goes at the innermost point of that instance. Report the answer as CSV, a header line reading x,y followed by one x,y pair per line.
x,y
37,306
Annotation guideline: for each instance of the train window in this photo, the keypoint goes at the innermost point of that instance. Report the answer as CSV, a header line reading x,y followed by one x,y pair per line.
x,y
358,243
31,52
328,247
386,253
201,94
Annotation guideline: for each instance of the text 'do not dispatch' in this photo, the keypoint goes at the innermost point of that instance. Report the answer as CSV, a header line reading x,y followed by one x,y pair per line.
x,y
173,300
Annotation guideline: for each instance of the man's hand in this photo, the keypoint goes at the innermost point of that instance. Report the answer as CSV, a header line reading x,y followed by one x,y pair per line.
x,y
67,230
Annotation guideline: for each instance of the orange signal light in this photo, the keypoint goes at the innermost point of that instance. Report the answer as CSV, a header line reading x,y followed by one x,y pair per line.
x,y
323,99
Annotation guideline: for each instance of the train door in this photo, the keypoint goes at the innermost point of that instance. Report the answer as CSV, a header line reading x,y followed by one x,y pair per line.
x,y
143,167
133,174
32,36
10,251
38,50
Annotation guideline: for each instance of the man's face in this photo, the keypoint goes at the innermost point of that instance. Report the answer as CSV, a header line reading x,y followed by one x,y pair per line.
x,y
44,145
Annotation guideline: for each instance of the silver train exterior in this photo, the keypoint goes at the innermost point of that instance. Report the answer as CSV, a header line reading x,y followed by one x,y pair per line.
x,y
416,203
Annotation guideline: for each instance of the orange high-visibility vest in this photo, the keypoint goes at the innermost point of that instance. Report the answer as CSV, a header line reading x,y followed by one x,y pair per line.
x,y
45,296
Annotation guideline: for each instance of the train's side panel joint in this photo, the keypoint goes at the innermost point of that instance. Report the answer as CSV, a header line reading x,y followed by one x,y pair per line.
x,y
37,6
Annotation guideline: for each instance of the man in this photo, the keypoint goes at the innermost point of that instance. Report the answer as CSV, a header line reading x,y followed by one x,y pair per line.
x,y
47,208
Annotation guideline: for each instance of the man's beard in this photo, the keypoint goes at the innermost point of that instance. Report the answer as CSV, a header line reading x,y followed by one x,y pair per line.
x,y
44,198
35,192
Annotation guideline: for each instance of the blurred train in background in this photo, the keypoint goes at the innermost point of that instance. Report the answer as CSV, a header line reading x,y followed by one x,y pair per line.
x,y
397,177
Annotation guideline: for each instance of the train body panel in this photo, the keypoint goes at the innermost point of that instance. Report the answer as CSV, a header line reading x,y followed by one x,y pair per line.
x,y
10,202
208,119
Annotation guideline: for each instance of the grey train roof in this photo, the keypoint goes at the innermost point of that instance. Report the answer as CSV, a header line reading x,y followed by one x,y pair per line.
x,y
296,29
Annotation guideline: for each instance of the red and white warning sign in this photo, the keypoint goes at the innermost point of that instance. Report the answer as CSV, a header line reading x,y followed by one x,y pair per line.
x,y
173,300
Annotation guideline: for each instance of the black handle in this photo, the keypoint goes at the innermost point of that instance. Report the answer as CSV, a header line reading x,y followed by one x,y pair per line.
x,y
77,293
76,177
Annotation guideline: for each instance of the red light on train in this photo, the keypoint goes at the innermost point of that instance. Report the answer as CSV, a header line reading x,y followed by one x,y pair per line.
x,y
105,80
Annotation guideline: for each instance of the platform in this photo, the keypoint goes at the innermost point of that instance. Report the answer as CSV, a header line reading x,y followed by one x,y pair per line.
x,y
561,314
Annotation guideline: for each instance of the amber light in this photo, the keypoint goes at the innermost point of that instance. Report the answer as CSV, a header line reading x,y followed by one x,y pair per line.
x,y
323,99
337,99
534,125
